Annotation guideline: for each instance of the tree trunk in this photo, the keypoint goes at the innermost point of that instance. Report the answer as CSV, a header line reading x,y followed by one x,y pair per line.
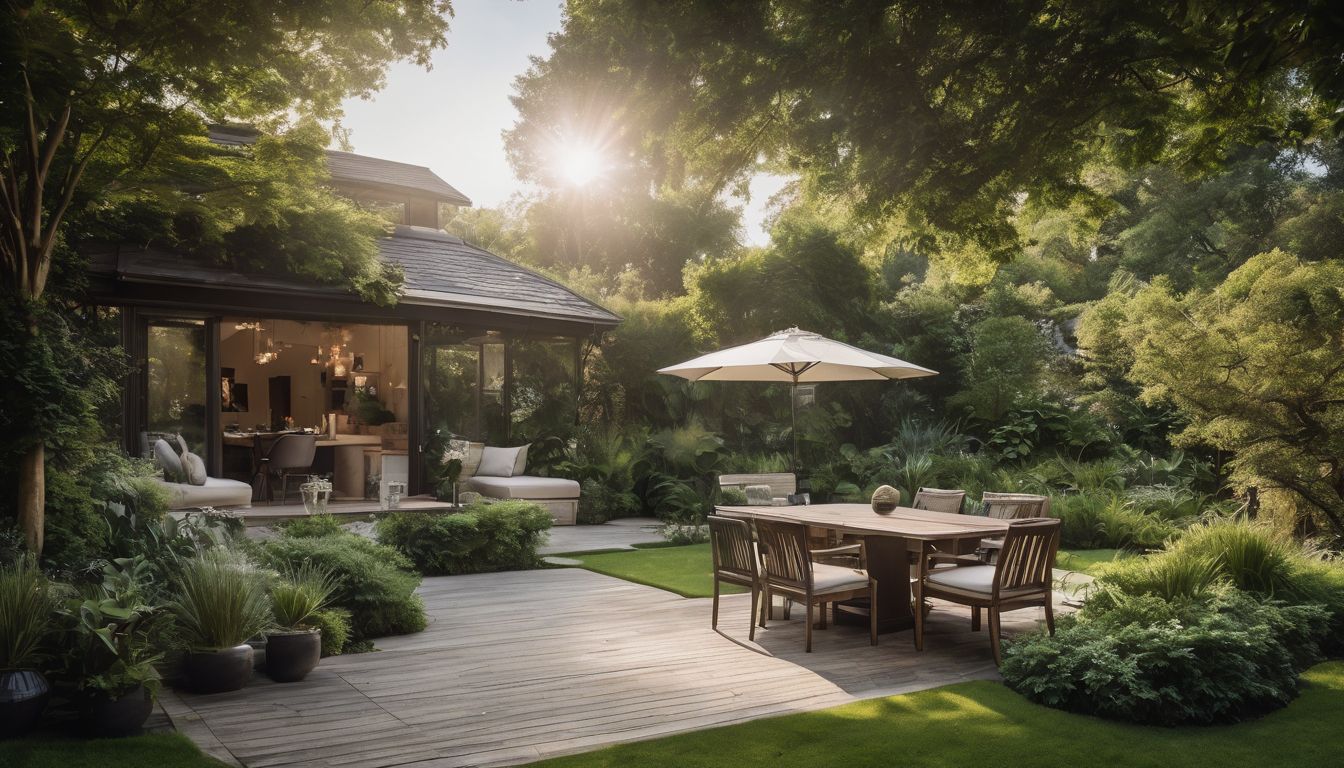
x,y
33,496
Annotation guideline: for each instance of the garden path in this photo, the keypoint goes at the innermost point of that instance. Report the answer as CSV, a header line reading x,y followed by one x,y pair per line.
x,y
529,664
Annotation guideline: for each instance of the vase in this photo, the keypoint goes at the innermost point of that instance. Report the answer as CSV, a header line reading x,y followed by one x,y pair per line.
x,y
290,656
23,698
316,495
219,671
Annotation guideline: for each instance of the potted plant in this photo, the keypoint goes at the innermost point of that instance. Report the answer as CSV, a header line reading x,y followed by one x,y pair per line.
x,y
26,611
294,646
221,602
111,640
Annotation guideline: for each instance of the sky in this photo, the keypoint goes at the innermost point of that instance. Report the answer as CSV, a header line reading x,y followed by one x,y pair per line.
x,y
451,118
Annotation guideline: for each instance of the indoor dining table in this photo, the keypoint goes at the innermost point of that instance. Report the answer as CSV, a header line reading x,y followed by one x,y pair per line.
x,y
888,541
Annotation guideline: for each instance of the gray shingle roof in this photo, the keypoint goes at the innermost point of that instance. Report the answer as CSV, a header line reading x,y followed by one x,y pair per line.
x,y
349,167
442,269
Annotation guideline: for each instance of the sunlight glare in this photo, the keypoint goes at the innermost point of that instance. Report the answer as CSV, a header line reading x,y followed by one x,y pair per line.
x,y
580,165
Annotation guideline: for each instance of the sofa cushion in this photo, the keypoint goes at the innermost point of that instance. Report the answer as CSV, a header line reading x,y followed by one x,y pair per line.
x,y
216,492
168,460
193,468
498,462
524,487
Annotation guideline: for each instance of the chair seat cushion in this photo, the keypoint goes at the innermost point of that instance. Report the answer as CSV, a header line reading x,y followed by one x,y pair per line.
x,y
835,578
216,492
524,487
973,578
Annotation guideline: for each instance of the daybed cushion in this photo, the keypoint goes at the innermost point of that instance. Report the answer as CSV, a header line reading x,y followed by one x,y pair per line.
x,y
524,487
193,468
168,460
216,492
498,462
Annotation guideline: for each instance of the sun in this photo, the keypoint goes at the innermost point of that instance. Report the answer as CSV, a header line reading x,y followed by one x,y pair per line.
x,y
580,165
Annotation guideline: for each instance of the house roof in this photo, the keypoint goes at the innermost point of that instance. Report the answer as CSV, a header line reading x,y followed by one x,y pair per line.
x,y
351,168
361,169
443,269
440,271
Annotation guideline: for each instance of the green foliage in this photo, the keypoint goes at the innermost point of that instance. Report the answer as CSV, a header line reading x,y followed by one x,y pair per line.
x,y
733,497
112,637
26,608
334,624
1004,366
377,583
311,527
599,502
1253,367
221,601
300,594
482,538
1222,658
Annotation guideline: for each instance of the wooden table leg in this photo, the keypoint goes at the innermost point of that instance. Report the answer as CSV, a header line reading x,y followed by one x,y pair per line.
x,y
889,563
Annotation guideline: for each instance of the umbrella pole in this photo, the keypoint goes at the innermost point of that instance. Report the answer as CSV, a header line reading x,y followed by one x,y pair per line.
x,y
793,409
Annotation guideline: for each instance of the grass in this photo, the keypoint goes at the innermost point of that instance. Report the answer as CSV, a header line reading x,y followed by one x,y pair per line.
x,y
985,724
686,570
169,750
1090,561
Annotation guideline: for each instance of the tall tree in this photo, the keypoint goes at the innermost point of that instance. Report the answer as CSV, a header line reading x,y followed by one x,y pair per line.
x,y
95,93
943,115
1257,367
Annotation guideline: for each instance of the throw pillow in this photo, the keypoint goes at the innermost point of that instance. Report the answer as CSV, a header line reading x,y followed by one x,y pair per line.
x,y
181,445
472,464
520,463
497,462
168,461
193,467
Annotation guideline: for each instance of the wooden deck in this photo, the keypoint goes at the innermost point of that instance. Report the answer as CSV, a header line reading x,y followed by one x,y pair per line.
x,y
519,666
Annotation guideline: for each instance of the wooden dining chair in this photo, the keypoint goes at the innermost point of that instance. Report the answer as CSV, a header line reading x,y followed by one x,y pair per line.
x,y
735,562
1021,578
939,500
788,569
1010,506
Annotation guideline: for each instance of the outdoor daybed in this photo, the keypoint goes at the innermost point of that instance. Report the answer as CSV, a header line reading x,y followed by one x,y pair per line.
x,y
497,473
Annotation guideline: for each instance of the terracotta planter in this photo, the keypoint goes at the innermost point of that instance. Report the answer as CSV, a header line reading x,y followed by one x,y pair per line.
x,y
102,716
290,656
23,698
219,671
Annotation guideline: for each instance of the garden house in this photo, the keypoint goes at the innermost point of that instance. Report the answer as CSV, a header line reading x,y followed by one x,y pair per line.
x,y
476,346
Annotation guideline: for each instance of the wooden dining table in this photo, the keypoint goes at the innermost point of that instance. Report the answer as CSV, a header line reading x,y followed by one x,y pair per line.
x,y
888,541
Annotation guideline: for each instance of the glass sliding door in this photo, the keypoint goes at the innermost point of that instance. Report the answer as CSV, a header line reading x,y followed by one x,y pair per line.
x,y
543,390
175,380
450,369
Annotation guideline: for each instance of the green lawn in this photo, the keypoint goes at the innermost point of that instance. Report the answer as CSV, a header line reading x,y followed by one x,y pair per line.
x,y
157,751
985,724
686,570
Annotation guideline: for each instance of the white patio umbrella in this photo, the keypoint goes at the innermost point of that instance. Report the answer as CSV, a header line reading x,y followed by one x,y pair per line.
x,y
796,357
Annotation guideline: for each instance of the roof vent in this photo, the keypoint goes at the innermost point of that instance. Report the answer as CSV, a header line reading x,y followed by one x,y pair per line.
x,y
425,233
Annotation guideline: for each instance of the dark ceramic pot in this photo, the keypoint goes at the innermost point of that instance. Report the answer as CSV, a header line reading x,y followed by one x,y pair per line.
x,y
219,671
23,697
290,656
102,716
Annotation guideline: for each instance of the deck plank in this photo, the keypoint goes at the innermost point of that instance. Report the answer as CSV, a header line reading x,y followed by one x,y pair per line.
x,y
519,666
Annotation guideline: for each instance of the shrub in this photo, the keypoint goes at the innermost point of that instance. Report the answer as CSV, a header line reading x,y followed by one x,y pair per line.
x,y
1095,522
377,583
1189,662
733,497
599,503
221,601
310,527
482,538
26,611
335,626
299,594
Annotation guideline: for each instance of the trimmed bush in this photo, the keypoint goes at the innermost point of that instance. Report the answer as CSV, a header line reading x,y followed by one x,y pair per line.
x,y
1145,659
310,527
484,537
376,583
335,626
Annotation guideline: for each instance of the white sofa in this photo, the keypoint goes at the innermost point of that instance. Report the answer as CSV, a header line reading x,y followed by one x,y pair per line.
x,y
559,496
217,492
